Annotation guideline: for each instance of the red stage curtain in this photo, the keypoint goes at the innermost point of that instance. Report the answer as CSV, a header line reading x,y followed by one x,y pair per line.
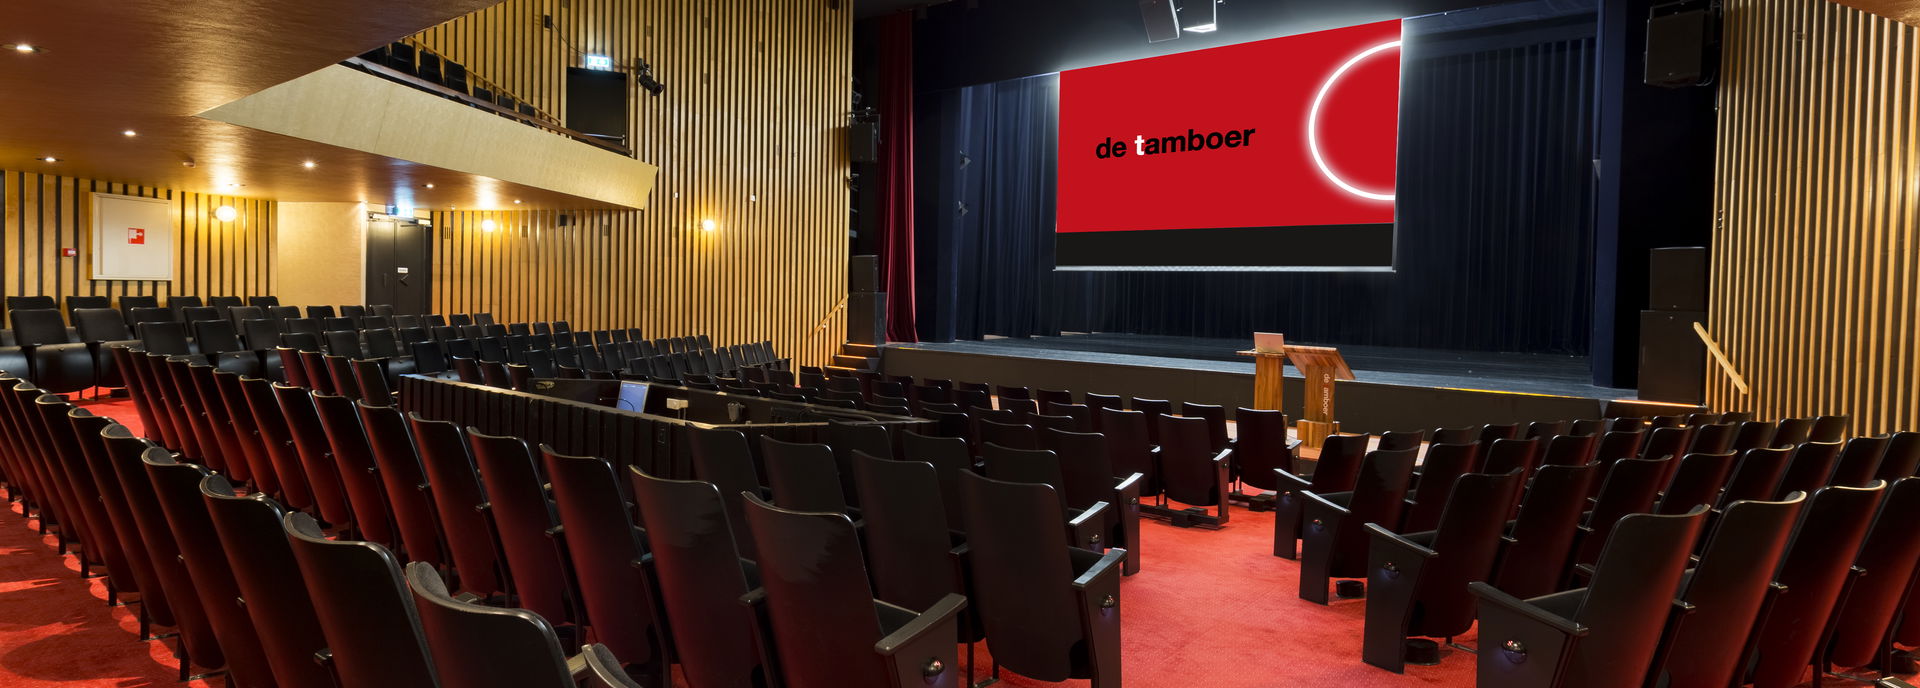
x,y
896,174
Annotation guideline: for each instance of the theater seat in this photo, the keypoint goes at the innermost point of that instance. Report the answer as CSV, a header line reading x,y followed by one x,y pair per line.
x,y
1334,537
816,605
1599,636
702,579
608,554
1336,471
369,618
1417,581
58,362
479,646
102,329
1726,592
1051,611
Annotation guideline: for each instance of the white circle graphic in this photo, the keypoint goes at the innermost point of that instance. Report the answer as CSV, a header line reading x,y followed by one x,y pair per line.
x,y
1313,123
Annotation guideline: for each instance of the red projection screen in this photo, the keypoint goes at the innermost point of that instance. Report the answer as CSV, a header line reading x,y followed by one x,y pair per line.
x,y
1272,154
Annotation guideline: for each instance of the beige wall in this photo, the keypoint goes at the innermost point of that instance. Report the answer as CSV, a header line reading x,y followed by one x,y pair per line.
x,y
749,134
1816,286
322,253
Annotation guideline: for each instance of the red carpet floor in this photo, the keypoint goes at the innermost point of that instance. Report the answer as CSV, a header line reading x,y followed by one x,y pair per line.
x,y
1209,608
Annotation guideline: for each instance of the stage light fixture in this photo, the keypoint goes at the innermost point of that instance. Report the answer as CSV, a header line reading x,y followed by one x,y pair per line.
x,y
643,75
1198,16
225,213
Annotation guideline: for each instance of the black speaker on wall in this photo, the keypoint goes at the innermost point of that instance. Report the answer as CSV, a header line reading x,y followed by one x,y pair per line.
x,y
863,274
1677,279
863,141
1683,44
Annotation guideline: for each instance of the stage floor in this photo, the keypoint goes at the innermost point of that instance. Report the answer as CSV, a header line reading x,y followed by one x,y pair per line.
x,y
1499,372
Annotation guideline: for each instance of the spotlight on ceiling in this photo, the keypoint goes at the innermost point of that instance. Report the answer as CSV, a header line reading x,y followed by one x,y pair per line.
x,y
708,225
129,133
24,48
429,185
1198,16
309,164
225,213
49,158
489,225
516,201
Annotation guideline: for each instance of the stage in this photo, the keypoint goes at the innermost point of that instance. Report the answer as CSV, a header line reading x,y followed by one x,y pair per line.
x,y
1394,389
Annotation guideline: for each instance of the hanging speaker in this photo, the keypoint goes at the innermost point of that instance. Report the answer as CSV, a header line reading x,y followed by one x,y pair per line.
x,y
1683,44
1163,21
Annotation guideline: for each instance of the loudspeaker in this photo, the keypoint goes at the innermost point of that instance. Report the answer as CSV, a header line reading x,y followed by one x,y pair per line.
x,y
863,274
1677,279
863,141
867,318
1683,44
1163,21
1673,360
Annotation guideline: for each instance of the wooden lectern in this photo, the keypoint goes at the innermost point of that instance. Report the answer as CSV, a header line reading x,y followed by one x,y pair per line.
x,y
1321,365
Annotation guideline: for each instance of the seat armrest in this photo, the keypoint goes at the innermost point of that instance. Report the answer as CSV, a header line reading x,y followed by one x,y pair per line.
x,y
1131,482
941,613
577,666
1084,530
1316,504
1092,514
1288,481
1104,570
1387,539
1495,597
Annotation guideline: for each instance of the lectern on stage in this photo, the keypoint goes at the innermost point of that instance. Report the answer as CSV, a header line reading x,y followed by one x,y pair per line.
x,y
1321,365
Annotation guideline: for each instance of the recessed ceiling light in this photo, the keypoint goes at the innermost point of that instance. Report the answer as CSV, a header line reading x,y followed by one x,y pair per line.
x,y
429,185
49,159
225,213
516,201
24,48
129,132
309,164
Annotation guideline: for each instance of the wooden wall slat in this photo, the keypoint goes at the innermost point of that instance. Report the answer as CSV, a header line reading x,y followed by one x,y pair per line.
x,y
1815,293
44,213
749,133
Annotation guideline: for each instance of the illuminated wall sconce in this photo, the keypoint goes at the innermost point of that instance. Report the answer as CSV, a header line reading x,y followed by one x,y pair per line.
x,y
708,225
225,213
489,225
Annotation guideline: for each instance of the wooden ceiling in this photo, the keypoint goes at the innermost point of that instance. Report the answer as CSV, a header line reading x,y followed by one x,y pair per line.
x,y
104,68
1904,11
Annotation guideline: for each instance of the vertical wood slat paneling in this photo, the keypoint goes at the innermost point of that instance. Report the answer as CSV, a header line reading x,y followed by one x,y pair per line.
x,y
748,134
1815,294
44,213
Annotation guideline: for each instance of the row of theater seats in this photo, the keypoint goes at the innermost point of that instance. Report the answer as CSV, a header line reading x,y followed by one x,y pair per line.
x,y
268,596
432,67
1531,510
65,359
1585,556
707,546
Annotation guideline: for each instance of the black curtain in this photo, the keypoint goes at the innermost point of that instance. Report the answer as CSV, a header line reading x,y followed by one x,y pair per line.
x,y
1495,213
985,237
